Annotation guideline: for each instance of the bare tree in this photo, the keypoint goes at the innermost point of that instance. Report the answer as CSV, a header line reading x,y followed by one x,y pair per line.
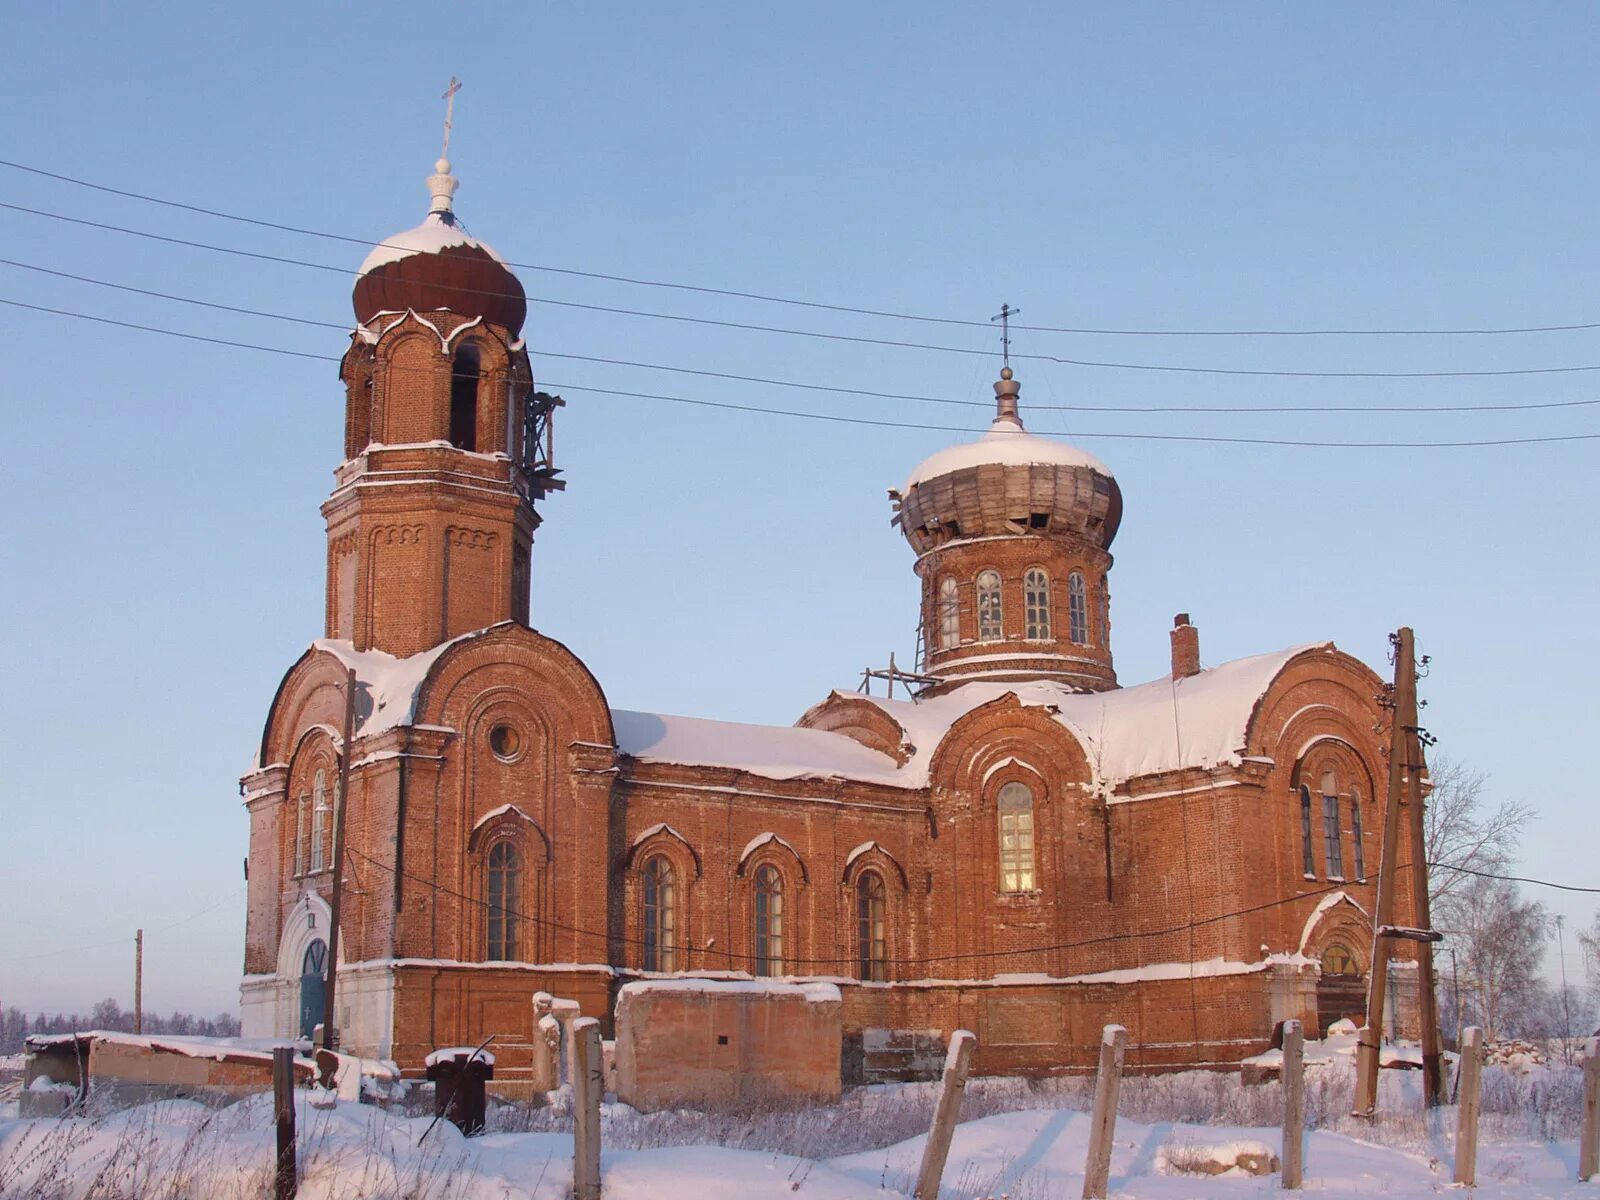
x,y
1501,941
1463,835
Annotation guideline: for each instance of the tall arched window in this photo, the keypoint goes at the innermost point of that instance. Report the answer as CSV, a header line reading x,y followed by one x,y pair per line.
x,y
949,615
320,812
504,903
1077,610
769,921
1330,825
1036,602
1355,833
872,950
302,817
1307,863
464,372
1016,838
989,628
660,916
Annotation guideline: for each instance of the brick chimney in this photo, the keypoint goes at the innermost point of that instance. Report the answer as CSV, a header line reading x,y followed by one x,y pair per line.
x,y
1185,647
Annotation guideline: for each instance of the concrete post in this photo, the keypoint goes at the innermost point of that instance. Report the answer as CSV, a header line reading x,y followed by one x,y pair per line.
x,y
957,1060
1107,1085
1294,1103
1471,1087
1589,1135
588,1082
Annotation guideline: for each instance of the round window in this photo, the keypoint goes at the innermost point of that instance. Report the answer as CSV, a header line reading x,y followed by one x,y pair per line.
x,y
505,742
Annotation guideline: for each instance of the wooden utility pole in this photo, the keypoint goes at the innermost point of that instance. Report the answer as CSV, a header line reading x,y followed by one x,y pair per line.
x,y
1404,713
957,1061
588,1086
1103,1122
286,1176
1294,1105
1427,992
330,1035
138,981
1470,1075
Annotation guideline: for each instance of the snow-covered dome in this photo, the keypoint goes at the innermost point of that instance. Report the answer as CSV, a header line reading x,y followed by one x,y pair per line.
x,y
439,265
1009,482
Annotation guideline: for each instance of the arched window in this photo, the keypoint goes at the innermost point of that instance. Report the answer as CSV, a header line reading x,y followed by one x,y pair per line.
x,y
872,949
989,629
504,903
1016,838
464,372
1307,864
769,921
1330,825
660,916
1337,960
1036,602
320,812
302,815
949,615
1077,610
1355,832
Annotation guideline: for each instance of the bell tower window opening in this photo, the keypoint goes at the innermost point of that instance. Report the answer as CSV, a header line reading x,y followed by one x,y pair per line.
x,y
769,921
1077,610
989,625
464,373
1330,825
504,903
660,916
1355,833
1016,838
1307,865
1036,603
949,615
871,942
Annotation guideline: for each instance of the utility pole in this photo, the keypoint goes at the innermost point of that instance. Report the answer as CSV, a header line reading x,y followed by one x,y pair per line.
x,y
1427,991
1566,1008
330,1037
1404,698
138,981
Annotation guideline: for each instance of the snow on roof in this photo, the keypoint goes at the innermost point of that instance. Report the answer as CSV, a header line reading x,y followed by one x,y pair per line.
x,y
432,236
812,993
1197,721
1006,443
391,684
451,1053
773,751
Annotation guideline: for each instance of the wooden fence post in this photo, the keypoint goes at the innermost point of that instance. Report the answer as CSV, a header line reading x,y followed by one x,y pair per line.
x,y
1107,1084
1589,1137
1294,1103
957,1059
286,1178
588,1085
1470,1086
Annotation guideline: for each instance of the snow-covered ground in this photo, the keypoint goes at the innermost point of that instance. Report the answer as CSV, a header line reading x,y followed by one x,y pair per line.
x,y
1024,1140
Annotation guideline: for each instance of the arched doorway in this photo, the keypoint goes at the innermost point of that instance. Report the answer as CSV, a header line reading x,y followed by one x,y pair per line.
x,y
313,986
1341,989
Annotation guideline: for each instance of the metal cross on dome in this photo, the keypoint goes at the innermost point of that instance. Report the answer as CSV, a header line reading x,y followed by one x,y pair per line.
x,y
1004,317
449,99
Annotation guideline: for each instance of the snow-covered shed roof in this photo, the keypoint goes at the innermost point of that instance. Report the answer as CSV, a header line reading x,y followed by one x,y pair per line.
x,y
1008,444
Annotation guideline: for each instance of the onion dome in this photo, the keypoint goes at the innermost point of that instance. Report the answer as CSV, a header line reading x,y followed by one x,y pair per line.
x,y
439,265
1009,482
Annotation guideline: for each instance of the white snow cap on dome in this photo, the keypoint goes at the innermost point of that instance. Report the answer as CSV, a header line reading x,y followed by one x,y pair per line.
x,y
1007,444
433,235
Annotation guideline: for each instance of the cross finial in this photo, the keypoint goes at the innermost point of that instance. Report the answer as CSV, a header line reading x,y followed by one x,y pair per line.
x,y
1004,317
449,99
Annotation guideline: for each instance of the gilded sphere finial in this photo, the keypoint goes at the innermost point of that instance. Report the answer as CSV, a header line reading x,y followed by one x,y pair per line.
x,y
1006,373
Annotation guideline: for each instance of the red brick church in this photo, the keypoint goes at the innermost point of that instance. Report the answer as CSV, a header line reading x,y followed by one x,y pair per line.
x,y
1026,849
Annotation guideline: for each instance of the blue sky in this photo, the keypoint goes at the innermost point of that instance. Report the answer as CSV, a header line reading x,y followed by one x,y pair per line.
x,y
1143,166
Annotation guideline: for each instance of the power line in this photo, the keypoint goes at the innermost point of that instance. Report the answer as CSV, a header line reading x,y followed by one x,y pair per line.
x,y
344,327
814,304
812,416
855,339
1562,887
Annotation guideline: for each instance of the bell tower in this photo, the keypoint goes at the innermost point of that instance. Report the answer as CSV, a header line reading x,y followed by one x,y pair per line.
x,y
447,443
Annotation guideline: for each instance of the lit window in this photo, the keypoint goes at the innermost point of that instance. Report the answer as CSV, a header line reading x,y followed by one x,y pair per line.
x,y
1036,602
989,606
1016,838
1355,832
505,893
949,616
871,944
769,921
1077,610
319,821
1307,864
1330,825
660,917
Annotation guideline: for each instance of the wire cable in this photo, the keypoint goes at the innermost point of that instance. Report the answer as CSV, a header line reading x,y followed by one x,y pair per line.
x,y
814,304
847,391
892,343
1562,887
